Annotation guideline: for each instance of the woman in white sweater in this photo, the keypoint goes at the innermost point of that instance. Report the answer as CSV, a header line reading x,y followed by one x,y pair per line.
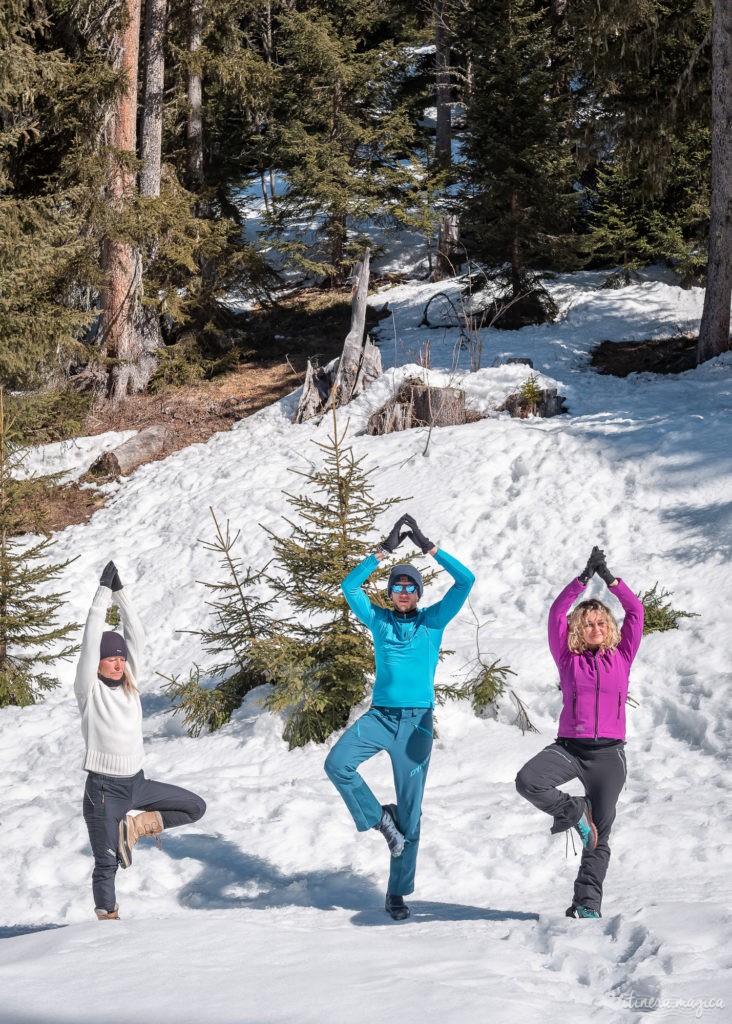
x,y
111,722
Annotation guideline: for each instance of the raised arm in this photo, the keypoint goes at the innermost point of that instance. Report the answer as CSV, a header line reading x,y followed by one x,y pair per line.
x,y
133,629
351,586
631,632
447,608
558,619
86,669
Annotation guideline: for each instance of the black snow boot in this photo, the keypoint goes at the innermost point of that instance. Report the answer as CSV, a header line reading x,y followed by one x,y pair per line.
x,y
396,907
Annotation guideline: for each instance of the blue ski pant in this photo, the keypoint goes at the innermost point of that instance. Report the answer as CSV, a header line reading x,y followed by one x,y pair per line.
x,y
107,799
406,735
602,771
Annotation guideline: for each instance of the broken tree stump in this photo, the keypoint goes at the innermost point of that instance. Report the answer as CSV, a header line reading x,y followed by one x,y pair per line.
x,y
418,405
545,404
358,364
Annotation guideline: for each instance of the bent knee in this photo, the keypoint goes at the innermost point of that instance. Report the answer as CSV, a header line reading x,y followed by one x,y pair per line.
x,y
336,767
526,783
200,808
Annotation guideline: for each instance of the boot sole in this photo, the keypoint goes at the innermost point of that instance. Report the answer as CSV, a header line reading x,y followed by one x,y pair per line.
x,y
399,914
124,854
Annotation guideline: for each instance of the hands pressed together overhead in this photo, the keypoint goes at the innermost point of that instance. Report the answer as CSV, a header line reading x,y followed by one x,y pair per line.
x,y
596,564
406,528
110,577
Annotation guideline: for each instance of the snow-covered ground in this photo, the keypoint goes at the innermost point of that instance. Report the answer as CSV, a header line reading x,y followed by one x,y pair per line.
x,y
270,908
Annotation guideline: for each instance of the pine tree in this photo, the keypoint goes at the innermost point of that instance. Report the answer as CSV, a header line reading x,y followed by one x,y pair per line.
x,y
242,626
643,96
344,129
618,224
48,99
316,658
326,655
30,637
519,204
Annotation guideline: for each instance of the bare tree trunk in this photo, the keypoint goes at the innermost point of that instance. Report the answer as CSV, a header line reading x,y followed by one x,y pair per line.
x,y
152,111
447,247
715,322
359,363
195,99
443,128
125,345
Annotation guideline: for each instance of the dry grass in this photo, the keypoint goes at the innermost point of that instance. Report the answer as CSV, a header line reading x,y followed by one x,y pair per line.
x,y
310,325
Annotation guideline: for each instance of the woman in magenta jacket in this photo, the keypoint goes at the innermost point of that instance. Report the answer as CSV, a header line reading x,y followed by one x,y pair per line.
x,y
594,658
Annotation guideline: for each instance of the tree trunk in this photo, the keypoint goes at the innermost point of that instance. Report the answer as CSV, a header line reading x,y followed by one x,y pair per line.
x,y
129,340
715,322
194,130
443,127
359,363
447,247
152,111
356,368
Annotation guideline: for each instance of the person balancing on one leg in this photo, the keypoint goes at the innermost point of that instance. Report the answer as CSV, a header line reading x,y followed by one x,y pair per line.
x,y
594,658
406,646
111,722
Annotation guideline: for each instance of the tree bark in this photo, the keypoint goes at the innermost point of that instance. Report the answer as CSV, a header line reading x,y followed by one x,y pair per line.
x,y
152,111
358,365
443,127
715,322
194,131
447,247
123,332
356,368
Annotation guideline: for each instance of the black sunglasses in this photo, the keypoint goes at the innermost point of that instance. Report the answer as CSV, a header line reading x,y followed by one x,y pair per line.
x,y
399,588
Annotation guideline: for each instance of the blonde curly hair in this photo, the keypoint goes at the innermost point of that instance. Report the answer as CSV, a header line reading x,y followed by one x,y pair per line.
x,y
577,620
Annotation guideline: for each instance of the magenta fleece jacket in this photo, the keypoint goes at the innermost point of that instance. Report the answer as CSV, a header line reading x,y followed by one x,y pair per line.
x,y
594,685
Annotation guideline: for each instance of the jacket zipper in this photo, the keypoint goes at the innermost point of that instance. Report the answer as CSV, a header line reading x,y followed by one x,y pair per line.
x,y
619,697
597,696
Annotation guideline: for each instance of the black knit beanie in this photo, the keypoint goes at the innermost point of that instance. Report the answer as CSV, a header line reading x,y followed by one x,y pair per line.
x,y
113,645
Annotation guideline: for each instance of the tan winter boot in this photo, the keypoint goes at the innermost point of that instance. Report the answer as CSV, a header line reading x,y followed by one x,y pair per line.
x,y
107,915
134,827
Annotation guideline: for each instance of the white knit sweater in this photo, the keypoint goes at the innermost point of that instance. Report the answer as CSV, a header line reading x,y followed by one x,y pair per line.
x,y
111,720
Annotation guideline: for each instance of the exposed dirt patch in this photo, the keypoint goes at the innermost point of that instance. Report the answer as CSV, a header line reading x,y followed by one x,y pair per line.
x,y
657,355
278,342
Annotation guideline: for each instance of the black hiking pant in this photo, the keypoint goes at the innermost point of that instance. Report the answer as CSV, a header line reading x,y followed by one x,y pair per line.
x,y
602,771
107,799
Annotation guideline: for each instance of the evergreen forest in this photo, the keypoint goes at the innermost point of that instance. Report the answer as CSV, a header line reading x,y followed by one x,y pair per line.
x,y
524,136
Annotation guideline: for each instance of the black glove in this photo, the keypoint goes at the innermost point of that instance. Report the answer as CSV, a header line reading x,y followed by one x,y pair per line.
x,y
597,558
417,536
397,535
603,572
110,577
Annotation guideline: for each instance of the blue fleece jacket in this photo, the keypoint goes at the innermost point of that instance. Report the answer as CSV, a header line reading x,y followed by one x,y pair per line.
x,y
406,647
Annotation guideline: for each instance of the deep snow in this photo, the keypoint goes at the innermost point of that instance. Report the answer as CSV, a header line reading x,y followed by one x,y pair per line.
x,y
270,908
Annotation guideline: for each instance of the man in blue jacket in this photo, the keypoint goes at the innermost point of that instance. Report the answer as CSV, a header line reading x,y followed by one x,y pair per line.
x,y
406,646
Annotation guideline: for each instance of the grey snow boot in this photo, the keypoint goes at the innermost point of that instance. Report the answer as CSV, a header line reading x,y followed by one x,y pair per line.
x,y
390,830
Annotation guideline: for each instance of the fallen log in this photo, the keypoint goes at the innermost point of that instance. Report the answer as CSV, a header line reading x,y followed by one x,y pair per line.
x,y
145,446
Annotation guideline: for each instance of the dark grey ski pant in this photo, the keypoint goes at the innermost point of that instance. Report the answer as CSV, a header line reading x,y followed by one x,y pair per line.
x,y
107,799
602,771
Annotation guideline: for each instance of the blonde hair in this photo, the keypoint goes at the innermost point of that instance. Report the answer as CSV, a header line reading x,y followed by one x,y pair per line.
x,y
129,686
577,620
